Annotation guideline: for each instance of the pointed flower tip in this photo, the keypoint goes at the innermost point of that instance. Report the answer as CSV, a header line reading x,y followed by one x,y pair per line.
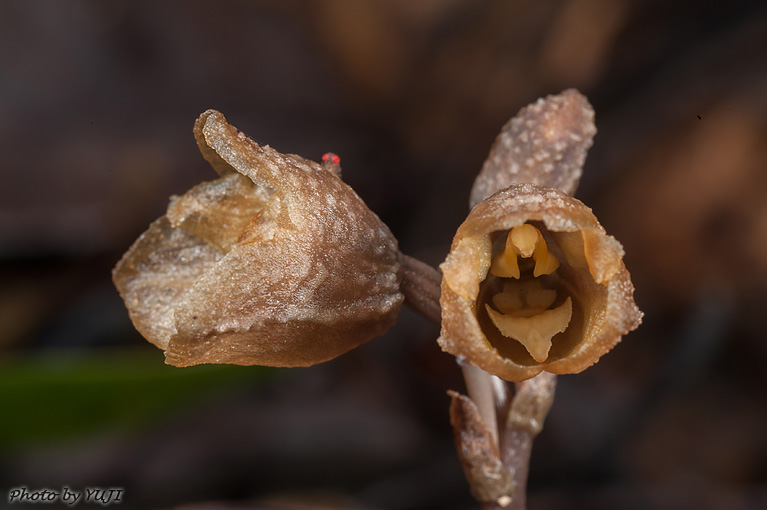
x,y
544,144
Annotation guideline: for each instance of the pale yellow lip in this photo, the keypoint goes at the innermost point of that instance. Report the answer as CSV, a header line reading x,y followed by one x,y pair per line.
x,y
534,332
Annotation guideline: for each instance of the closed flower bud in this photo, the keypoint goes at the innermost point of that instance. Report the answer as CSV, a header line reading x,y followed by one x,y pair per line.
x,y
533,283
277,262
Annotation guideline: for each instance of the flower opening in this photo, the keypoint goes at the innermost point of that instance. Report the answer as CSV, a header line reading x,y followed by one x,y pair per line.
x,y
534,283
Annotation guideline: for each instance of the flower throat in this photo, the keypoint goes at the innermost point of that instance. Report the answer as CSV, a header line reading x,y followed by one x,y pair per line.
x,y
523,308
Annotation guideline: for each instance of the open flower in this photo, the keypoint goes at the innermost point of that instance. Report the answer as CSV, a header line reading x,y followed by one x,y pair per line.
x,y
277,262
532,282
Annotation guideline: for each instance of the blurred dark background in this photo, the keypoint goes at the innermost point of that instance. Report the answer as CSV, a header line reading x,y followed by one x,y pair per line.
x,y
97,101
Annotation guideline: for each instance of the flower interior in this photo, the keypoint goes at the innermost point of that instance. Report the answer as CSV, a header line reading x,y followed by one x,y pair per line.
x,y
526,306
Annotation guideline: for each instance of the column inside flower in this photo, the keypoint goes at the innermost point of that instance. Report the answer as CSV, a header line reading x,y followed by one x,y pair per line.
x,y
523,295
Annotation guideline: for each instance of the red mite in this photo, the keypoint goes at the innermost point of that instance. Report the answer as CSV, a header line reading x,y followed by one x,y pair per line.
x,y
329,157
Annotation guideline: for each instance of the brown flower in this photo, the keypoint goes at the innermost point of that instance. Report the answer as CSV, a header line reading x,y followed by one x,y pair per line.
x,y
277,262
532,283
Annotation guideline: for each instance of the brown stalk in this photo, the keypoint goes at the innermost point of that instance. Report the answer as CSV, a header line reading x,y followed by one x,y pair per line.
x,y
495,426
421,287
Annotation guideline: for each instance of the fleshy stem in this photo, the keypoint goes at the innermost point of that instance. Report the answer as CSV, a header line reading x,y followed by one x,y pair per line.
x,y
513,418
420,285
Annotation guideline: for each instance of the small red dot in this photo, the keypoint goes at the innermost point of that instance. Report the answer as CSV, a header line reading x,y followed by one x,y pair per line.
x,y
330,157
